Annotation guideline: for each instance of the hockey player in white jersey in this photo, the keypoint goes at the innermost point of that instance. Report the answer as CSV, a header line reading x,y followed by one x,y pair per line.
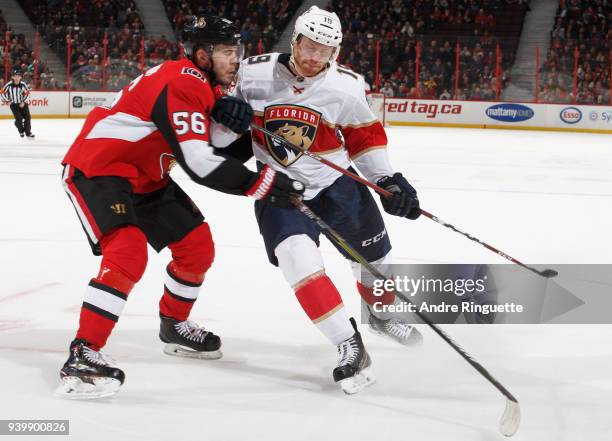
x,y
319,105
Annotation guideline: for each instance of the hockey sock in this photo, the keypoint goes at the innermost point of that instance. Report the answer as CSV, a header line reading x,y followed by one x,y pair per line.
x,y
371,298
123,263
181,290
102,306
192,256
365,286
322,303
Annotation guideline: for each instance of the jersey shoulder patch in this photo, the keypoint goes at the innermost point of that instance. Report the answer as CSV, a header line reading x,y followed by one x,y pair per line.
x,y
193,72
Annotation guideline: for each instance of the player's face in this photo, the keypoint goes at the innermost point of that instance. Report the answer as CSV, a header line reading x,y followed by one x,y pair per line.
x,y
311,56
226,60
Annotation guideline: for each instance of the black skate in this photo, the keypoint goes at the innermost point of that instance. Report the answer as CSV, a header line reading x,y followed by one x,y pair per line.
x,y
395,330
21,134
187,339
353,371
30,135
88,374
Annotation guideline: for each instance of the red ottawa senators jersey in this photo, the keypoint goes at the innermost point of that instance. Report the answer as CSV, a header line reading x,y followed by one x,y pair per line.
x,y
160,118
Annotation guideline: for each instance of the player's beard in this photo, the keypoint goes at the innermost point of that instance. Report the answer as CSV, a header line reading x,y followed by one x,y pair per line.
x,y
306,69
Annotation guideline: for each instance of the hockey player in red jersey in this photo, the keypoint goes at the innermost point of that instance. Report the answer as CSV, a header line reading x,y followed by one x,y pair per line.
x,y
116,174
319,105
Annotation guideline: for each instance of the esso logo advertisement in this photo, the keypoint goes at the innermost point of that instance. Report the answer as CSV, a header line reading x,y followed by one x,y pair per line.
x,y
509,112
570,115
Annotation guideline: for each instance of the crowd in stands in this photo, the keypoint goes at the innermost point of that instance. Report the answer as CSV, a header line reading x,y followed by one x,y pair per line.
x,y
438,67
87,22
260,22
432,27
3,29
127,56
112,14
585,25
20,56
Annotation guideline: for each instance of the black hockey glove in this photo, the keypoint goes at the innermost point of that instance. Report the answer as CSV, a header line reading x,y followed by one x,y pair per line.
x,y
404,201
275,187
233,113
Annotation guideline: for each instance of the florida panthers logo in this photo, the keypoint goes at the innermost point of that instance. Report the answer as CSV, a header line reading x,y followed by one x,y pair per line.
x,y
296,124
295,135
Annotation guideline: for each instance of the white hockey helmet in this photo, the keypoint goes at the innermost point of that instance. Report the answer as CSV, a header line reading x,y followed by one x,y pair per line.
x,y
321,26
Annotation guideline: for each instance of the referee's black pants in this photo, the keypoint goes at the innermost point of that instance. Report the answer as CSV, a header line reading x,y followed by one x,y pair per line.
x,y
22,118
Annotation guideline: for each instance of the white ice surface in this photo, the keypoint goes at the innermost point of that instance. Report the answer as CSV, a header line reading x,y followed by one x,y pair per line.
x,y
541,197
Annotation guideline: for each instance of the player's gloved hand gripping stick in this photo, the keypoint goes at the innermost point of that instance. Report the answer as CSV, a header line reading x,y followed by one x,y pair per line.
x,y
547,273
404,202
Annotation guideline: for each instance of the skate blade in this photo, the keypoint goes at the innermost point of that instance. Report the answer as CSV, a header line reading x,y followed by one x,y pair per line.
x,y
414,339
358,382
181,351
74,388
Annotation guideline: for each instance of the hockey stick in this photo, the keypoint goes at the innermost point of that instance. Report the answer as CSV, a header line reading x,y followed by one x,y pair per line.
x,y
511,417
547,273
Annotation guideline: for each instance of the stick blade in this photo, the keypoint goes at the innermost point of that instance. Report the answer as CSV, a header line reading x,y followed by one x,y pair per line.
x,y
511,419
549,273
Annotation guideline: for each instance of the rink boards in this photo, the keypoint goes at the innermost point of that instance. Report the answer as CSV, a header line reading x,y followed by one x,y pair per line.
x,y
498,115
62,104
397,111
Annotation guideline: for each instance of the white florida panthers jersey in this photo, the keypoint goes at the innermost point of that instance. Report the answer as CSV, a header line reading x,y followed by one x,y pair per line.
x,y
327,114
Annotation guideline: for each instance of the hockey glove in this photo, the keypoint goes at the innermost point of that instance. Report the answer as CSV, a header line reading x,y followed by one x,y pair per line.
x,y
233,113
276,188
404,202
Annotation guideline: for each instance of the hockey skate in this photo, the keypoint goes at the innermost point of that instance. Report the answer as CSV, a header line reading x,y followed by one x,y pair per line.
x,y
354,364
395,330
187,339
88,374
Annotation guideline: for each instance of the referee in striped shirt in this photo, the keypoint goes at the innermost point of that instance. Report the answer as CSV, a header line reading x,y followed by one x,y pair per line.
x,y
17,93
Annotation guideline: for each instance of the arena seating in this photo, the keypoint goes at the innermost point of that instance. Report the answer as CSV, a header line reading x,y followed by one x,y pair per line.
x,y
20,56
259,21
86,23
435,27
585,25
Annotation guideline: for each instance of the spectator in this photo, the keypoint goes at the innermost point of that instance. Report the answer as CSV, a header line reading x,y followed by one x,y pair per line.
x,y
585,26
445,95
387,90
400,27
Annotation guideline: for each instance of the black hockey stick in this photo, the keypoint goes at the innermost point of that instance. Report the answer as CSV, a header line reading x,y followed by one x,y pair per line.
x,y
547,273
511,417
